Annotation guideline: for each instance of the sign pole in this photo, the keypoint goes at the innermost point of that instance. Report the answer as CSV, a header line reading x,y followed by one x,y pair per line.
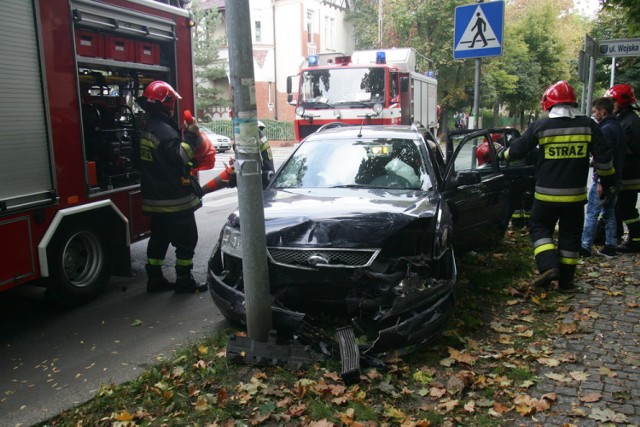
x,y
613,71
476,96
248,169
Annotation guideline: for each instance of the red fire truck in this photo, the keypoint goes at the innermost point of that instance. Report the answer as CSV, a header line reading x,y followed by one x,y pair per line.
x,y
368,87
69,183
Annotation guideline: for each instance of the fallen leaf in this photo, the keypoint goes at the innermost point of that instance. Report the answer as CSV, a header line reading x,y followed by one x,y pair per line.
x,y
136,322
591,397
394,413
470,406
557,377
567,328
607,415
499,327
437,392
297,410
547,361
606,371
448,405
579,375
462,357
123,416
202,404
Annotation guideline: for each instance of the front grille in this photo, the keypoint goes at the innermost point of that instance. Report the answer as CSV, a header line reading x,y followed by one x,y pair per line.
x,y
322,258
306,130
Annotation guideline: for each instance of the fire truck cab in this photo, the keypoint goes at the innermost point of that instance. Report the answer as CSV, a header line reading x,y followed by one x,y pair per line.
x,y
367,87
69,181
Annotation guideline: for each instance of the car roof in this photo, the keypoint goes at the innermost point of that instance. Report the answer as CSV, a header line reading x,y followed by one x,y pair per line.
x,y
367,131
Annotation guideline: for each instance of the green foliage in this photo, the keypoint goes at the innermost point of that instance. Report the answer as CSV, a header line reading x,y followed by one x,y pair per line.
x,y
540,47
612,24
627,10
209,69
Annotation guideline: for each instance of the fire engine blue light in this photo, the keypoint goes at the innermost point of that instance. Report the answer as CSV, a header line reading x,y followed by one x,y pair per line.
x,y
381,58
313,60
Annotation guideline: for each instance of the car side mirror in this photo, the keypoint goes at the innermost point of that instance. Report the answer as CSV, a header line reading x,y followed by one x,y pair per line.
x,y
290,99
468,177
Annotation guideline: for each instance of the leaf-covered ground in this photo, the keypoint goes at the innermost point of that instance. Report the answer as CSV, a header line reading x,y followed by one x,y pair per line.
x,y
478,373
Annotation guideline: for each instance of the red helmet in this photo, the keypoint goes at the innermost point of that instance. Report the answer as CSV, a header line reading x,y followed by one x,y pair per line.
x,y
483,153
558,93
163,94
622,94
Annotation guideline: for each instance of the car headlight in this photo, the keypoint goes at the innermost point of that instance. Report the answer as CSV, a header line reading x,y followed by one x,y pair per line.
x,y
231,242
377,108
300,111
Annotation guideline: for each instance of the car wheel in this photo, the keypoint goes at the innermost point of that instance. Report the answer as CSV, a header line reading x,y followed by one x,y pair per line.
x,y
79,265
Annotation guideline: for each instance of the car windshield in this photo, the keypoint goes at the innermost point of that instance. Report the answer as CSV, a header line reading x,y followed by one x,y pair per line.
x,y
333,87
372,163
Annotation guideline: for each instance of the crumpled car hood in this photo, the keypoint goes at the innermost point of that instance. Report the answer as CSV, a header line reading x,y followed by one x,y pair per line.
x,y
345,218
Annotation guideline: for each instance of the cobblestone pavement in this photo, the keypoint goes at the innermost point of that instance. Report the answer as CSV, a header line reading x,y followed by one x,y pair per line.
x,y
597,381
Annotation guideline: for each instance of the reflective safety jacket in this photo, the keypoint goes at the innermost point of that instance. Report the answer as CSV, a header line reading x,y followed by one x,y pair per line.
x,y
566,138
165,160
630,123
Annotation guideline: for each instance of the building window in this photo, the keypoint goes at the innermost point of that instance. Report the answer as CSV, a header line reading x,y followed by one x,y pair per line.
x,y
329,31
309,26
258,31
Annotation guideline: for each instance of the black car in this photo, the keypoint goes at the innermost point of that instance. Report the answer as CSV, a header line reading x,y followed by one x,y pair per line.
x,y
362,221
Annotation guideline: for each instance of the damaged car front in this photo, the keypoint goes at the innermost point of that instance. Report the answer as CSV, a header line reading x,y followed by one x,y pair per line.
x,y
355,227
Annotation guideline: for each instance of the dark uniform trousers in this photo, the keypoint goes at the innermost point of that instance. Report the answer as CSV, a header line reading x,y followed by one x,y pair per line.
x,y
570,220
627,212
179,230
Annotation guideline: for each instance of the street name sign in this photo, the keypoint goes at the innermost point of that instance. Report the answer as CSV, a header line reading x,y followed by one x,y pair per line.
x,y
621,47
478,30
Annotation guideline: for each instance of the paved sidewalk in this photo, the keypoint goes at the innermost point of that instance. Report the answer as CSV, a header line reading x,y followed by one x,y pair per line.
x,y
597,381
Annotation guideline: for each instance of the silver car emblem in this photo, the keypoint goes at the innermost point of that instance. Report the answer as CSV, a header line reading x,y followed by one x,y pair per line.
x,y
316,259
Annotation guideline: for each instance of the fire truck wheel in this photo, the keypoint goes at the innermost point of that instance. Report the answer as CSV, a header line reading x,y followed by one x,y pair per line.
x,y
79,264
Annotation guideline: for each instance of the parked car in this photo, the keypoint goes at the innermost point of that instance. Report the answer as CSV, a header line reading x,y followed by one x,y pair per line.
x,y
220,142
363,222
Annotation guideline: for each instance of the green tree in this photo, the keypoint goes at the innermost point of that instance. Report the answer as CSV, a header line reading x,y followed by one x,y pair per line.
x,y
540,46
611,24
209,70
627,10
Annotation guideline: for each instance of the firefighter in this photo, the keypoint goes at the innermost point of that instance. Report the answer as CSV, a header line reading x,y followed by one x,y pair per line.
x,y
170,195
627,212
483,152
227,177
268,168
566,137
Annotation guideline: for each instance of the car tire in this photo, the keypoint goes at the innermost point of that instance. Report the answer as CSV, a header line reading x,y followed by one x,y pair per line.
x,y
79,264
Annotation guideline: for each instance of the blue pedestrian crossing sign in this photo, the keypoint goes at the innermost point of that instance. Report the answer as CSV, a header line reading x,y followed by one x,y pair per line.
x,y
478,30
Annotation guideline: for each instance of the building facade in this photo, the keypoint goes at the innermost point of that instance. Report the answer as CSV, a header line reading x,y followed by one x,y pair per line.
x,y
284,33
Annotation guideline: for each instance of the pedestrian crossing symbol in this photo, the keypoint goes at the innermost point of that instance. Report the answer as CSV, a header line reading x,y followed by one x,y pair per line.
x,y
478,30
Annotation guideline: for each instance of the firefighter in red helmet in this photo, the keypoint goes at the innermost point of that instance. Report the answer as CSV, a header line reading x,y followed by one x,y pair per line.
x,y
566,138
170,194
626,210
483,152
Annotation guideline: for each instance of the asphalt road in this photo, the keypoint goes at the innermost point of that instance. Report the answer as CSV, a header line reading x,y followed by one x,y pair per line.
x,y
52,359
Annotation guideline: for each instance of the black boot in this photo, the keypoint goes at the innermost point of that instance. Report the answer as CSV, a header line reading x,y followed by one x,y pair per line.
x,y
546,277
156,282
565,282
185,283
